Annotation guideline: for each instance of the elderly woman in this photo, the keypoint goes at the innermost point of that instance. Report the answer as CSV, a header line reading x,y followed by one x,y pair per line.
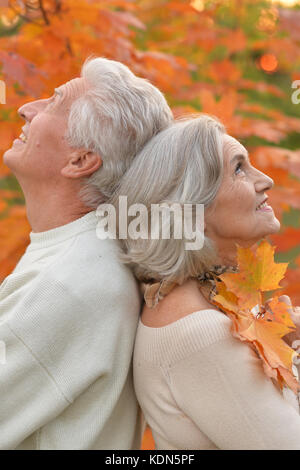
x,y
198,386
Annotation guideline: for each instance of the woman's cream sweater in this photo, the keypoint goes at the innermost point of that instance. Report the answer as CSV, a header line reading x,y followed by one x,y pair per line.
x,y
201,388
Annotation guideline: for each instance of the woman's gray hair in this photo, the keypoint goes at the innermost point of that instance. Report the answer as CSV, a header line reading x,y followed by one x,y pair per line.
x,y
116,116
182,164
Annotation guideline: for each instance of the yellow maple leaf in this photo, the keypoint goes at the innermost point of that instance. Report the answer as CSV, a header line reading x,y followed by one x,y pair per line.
x,y
257,273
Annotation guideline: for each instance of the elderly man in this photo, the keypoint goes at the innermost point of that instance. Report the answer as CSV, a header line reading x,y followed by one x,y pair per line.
x,y
69,310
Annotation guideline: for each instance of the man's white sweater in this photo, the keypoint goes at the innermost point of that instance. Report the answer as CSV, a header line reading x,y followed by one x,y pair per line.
x,y
68,318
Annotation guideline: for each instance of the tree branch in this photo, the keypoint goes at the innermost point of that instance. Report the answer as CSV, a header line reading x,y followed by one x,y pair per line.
x,y
44,12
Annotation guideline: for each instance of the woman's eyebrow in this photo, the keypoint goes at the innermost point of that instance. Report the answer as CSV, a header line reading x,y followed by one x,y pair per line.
x,y
240,157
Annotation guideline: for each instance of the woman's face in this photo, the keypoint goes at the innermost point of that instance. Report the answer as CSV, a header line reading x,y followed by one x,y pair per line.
x,y
234,216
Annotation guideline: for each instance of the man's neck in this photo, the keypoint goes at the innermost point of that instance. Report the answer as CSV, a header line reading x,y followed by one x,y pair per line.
x,y
46,213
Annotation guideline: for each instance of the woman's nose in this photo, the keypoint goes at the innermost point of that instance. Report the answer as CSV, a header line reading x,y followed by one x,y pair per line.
x,y
263,182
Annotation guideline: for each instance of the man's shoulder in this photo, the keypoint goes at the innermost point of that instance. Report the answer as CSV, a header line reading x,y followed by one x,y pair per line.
x,y
93,263
88,278
87,285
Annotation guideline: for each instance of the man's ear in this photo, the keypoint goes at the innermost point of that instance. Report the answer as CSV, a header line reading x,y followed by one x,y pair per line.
x,y
81,163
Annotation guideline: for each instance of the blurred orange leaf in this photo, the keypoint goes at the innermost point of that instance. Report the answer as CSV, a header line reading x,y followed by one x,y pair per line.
x,y
287,239
148,441
14,237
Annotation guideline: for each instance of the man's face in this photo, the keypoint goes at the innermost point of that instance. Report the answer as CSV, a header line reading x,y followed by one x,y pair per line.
x,y
45,151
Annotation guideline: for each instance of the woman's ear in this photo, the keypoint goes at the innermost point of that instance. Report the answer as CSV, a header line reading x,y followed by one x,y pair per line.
x,y
81,163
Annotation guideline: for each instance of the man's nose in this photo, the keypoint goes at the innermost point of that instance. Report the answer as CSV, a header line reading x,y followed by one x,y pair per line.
x,y
29,110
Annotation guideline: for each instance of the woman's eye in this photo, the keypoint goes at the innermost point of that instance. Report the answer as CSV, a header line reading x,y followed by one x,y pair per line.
x,y
238,167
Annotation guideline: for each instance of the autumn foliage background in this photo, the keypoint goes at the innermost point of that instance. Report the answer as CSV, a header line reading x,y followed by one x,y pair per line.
x,y
235,59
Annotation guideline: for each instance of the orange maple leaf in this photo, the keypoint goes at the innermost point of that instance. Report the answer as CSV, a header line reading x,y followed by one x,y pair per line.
x,y
261,324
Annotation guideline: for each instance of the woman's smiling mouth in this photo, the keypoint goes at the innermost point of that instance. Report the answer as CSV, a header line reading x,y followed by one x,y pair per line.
x,y
264,207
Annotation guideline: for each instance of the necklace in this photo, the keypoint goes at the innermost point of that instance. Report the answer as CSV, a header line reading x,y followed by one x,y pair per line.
x,y
154,291
209,279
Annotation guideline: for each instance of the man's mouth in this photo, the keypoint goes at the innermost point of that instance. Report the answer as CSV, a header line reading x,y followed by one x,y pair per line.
x,y
23,138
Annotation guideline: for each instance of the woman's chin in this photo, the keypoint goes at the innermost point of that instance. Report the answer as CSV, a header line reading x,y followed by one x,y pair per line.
x,y
273,228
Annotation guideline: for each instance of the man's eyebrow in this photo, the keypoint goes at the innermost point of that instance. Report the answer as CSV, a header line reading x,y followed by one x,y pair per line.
x,y
240,157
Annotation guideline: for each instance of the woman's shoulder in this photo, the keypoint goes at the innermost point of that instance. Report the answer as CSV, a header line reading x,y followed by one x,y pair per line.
x,y
179,329
182,338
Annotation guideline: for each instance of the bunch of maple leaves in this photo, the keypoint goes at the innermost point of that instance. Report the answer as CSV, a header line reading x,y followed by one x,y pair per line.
x,y
260,323
205,56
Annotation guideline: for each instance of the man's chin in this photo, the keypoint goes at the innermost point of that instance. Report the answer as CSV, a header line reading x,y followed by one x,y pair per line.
x,y
10,159
6,158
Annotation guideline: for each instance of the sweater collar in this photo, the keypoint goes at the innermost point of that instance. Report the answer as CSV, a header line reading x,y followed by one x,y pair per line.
x,y
63,232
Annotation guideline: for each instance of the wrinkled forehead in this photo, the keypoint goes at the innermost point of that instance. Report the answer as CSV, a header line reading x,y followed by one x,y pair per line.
x,y
232,147
72,89
66,94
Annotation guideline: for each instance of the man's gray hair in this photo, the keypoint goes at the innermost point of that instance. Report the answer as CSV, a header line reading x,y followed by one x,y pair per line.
x,y
182,164
116,116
